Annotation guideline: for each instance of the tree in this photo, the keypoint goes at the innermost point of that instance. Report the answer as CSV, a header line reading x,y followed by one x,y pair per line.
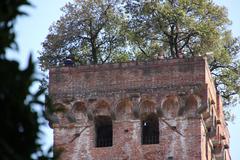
x,y
187,28
142,29
225,68
88,32
9,11
19,123
177,25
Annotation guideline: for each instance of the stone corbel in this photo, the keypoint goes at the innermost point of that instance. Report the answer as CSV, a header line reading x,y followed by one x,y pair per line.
x,y
70,116
90,114
182,105
136,108
160,112
113,114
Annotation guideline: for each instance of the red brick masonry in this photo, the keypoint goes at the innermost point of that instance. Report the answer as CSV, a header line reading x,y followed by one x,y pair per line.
x,y
179,91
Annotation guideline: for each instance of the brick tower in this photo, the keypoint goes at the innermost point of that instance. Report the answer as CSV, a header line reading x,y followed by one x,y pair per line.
x,y
163,109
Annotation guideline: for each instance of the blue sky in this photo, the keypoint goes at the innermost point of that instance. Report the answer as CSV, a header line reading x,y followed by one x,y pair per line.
x,y
32,30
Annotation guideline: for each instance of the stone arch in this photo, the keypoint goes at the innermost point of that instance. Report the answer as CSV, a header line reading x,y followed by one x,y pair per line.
x,y
79,106
59,107
147,106
190,106
102,107
170,106
60,111
192,103
124,109
79,110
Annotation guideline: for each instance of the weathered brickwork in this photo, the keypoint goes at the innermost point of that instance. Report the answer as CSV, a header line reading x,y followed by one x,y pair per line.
x,y
179,92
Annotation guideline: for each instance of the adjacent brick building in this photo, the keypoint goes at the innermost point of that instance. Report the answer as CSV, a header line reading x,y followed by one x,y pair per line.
x,y
163,109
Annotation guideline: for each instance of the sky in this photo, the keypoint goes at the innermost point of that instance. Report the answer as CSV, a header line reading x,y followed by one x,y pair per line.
x,y
31,31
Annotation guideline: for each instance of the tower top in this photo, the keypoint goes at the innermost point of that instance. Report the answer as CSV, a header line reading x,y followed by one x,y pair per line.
x,y
90,80
160,109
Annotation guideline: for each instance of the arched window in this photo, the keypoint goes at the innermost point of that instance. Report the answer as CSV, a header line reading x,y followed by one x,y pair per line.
x,y
103,128
150,129
124,109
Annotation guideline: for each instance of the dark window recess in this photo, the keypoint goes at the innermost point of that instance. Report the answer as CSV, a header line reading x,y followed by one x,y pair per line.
x,y
150,130
170,158
103,125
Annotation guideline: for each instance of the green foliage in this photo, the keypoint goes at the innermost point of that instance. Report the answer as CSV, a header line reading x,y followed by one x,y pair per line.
x,y
191,27
225,68
121,57
88,32
9,9
19,122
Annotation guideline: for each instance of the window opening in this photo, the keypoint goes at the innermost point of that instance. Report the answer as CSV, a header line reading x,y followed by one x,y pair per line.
x,y
150,130
103,127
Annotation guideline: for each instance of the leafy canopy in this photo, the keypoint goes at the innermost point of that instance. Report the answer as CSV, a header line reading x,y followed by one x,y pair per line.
x,y
100,31
193,27
89,32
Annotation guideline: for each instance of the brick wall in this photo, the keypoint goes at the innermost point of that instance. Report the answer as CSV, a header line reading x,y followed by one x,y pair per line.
x,y
178,91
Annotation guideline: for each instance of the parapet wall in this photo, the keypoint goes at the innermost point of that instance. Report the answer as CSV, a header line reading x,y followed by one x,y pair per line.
x,y
90,80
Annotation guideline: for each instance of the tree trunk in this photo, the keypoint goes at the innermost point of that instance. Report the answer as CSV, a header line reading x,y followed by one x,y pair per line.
x,y
171,42
94,52
176,42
